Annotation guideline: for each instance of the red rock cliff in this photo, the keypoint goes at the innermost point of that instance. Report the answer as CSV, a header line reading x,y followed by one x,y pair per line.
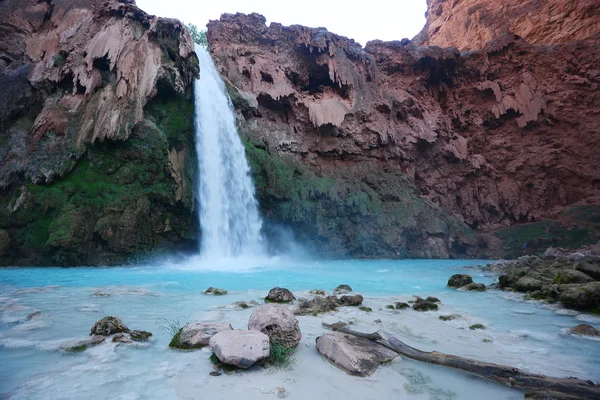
x,y
504,135
469,24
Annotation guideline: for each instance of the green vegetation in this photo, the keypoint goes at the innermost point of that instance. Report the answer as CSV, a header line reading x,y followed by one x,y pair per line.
x,y
390,306
366,309
198,36
477,326
280,357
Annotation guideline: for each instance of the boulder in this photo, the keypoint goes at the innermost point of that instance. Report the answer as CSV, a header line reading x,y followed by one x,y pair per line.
x,y
580,296
354,300
550,253
197,335
400,305
567,276
82,345
342,289
278,322
356,356
528,284
592,270
279,295
240,348
474,287
585,330
122,338
450,317
140,336
215,291
459,280
433,299
108,326
576,256
316,306
477,326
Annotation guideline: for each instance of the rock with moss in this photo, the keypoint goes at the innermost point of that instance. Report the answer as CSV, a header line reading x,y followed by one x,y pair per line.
x,y
317,305
215,291
122,338
240,348
474,287
433,299
280,295
83,345
197,335
450,317
364,308
459,280
421,304
108,326
342,289
245,304
317,292
278,322
477,327
400,305
140,336
581,296
585,330
390,307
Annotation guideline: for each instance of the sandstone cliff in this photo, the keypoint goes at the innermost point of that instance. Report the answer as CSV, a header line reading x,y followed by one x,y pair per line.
x,y
399,150
96,136
470,24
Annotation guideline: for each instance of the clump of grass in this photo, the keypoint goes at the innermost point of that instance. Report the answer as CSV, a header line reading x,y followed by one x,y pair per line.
x,y
281,357
173,328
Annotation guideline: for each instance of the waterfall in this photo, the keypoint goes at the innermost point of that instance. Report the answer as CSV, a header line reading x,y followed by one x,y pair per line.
x,y
228,211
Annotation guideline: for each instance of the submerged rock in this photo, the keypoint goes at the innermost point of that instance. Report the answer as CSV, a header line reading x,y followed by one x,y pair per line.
x,y
433,299
356,356
401,305
108,326
477,287
342,289
366,309
585,330
316,306
449,317
82,345
353,300
35,314
240,348
140,336
582,297
421,304
280,295
278,322
197,335
122,338
459,280
477,326
245,304
215,291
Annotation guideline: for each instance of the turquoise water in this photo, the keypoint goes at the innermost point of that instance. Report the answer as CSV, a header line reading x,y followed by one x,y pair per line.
x,y
524,334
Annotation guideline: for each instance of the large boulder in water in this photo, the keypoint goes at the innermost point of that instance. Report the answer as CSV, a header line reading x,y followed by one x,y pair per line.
x,y
279,295
278,322
356,356
342,289
354,300
317,306
459,280
240,348
108,326
197,335
585,330
580,296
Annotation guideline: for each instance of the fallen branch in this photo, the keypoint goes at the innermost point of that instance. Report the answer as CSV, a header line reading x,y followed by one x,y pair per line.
x,y
566,387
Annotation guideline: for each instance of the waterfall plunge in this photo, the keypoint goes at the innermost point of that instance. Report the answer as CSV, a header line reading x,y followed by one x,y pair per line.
x,y
228,211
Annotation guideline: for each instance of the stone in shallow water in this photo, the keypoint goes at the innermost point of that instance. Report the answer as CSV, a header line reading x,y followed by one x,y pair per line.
x,y
197,335
122,338
342,289
215,291
278,322
108,326
240,348
279,295
140,336
459,280
477,287
82,345
317,305
355,300
585,330
356,356
421,304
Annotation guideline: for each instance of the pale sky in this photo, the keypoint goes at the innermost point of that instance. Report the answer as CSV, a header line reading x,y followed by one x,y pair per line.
x,y
360,20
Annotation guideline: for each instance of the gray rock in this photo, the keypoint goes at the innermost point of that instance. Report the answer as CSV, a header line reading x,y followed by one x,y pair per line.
x,y
459,280
35,314
245,304
316,306
342,289
592,270
278,322
354,300
215,291
240,348
356,356
572,276
477,287
580,296
82,345
140,336
197,335
528,284
108,326
585,330
421,304
279,295
576,256
122,338
317,292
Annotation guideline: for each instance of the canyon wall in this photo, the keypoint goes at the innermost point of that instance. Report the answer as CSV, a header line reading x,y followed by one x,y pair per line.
x,y
470,24
96,133
397,150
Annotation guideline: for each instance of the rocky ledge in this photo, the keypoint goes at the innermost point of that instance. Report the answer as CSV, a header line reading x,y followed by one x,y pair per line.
x,y
96,139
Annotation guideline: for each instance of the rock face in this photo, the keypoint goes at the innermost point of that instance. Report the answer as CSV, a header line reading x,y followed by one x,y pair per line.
x,y
395,150
198,335
356,356
278,322
240,348
469,24
95,165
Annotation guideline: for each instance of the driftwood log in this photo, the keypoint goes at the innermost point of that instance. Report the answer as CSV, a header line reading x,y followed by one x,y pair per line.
x,y
560,388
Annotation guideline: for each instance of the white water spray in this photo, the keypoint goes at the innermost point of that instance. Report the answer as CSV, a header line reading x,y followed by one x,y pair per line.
x,y
228,212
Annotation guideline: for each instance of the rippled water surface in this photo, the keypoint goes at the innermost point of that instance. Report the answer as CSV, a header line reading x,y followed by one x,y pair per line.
x,y
523,334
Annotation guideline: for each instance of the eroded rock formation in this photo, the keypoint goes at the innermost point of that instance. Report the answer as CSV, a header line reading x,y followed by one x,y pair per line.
x,y
399,150
470,24
95,165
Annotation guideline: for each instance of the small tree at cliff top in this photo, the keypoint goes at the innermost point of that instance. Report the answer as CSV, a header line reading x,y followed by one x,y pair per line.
x,y
198,36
